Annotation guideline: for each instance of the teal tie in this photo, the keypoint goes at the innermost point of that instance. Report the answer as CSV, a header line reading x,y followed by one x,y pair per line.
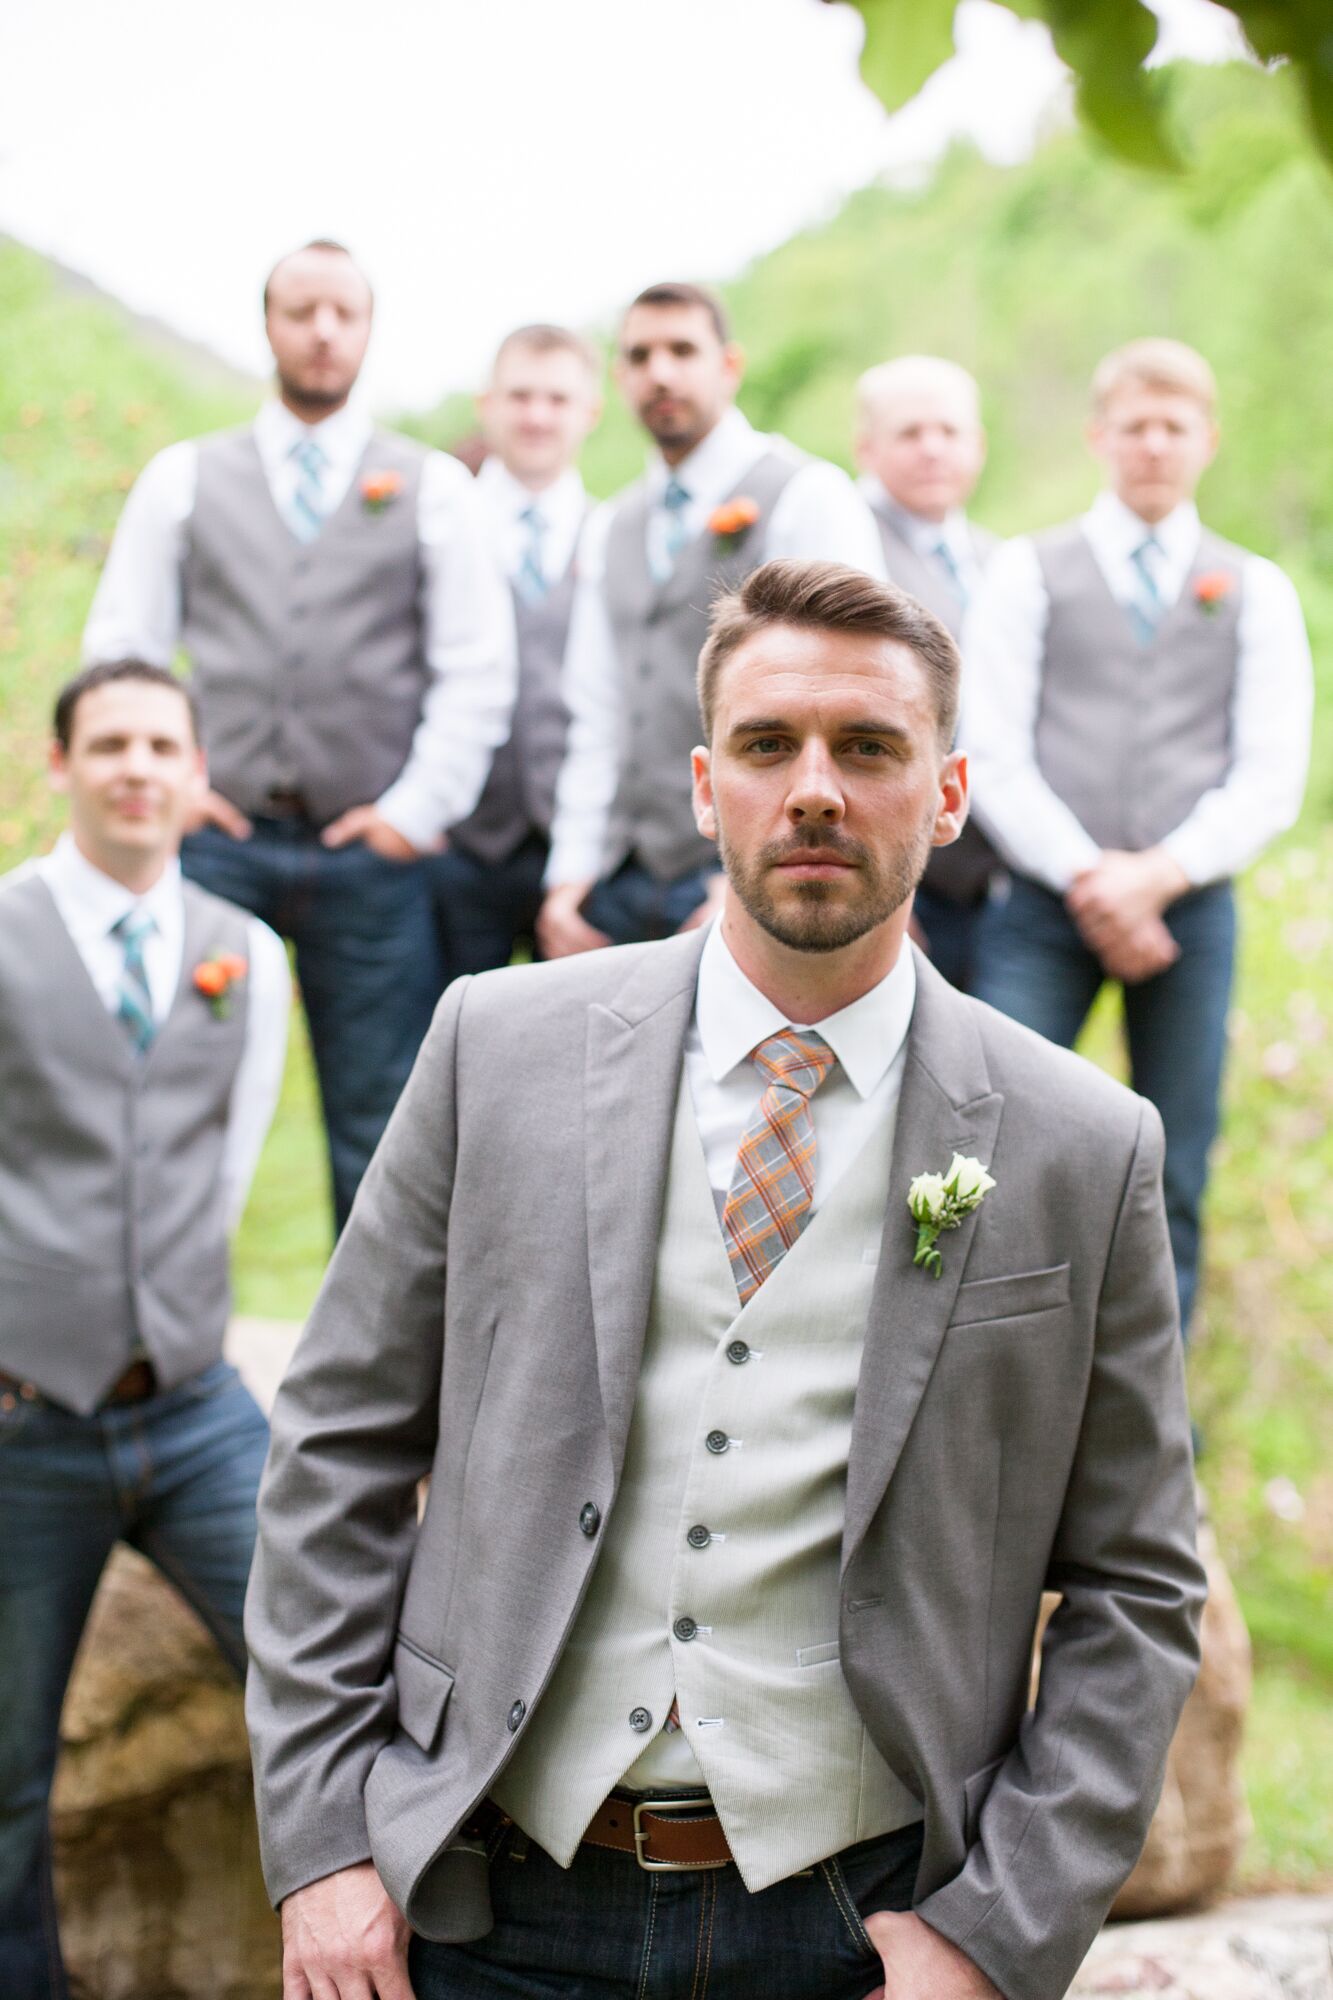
x,y
531,579
948,562
307,508
1146,605
674,502
134,1001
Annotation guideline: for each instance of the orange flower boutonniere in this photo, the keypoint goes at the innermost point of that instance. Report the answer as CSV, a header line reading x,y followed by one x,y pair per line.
x,y
730,522
215,977
380,489
1212,589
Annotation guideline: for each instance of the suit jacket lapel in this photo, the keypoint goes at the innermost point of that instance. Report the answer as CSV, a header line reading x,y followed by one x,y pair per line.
x,y
634,1050
946,1107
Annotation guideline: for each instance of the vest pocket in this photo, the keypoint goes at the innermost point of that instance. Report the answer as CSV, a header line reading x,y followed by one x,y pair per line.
x,y
817,1656
424,1686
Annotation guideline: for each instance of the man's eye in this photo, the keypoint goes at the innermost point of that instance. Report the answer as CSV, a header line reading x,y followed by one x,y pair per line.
x,y
869,746
765,746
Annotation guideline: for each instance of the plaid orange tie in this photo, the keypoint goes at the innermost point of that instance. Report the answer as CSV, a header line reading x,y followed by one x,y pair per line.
x,y
769,1200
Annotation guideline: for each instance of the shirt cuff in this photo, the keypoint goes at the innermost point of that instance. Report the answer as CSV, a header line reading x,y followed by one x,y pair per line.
x,y
409,811
1189,853
573,861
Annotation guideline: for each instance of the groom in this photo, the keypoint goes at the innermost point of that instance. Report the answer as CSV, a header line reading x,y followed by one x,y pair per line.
x,y
709,1658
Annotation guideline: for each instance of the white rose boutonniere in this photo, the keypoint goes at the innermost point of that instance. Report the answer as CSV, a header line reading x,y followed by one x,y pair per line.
x,y
937,1202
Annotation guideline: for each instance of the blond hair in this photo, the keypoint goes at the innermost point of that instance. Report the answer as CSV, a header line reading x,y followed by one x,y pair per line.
x,y
1155,363
909,375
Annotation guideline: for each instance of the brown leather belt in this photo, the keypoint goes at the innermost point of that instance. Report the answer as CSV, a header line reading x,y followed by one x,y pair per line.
x,y
665,1836
136,1385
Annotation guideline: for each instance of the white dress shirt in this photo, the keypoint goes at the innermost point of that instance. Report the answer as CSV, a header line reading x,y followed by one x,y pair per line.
x,y
563,506
468,624
819,513
1271,714
90,904
731,1017
924,537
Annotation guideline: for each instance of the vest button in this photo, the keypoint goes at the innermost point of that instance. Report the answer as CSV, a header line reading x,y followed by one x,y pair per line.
x,y
640,1720
590,1519
718,1441
685,1628
698,1538
737,1352
516,1715
8,1402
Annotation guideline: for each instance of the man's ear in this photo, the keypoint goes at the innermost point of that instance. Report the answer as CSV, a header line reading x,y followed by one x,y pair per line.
x,y
705,813
56,768
951,815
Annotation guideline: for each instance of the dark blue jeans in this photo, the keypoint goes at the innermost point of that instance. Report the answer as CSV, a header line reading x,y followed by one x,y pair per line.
x,y
486,910
367,960
632,906
605,1930
1034,966
175,1477
951,931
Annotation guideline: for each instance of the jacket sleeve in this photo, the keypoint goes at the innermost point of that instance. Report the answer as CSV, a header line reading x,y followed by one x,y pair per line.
x,y
1067,1815
354,1430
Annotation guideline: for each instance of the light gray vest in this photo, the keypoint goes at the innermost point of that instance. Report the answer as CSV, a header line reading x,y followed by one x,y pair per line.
x,y
962,871
112,1229
306,657
519,795
659,632
1131,736
765,1710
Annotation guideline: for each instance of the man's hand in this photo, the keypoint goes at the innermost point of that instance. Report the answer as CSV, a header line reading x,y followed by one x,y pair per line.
x,y
343,1939
1139,954
1121,891
211,809
367,824
919,1964
711,905
561,930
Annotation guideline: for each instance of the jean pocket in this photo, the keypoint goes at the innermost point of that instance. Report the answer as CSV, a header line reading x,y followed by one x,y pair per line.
x,y
845,1904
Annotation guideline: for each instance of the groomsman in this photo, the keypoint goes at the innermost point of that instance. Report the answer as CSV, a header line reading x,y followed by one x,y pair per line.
x,y
351,648
542,401
921,448
627,861
142,1030
1139,699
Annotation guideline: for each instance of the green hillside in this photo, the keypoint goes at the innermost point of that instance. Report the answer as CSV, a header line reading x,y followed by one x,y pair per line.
x,y
1025,275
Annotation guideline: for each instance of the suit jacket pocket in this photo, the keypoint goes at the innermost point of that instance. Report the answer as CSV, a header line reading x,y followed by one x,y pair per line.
x,y
1027,1292
976,1791
424,1686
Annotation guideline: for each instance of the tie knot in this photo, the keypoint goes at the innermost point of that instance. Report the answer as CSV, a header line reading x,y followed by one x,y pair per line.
x,y
800,1062
534,517
134,926
675,497
310,455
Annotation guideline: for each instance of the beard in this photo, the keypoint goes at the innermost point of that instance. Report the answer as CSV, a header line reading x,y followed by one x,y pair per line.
x,y
826,916
301,395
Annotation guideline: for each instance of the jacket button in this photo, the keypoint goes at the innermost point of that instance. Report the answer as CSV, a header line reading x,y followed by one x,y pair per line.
x,y
516,1715
717,1441
737,1352
698,1538
590,1518
8,1402
685,1628
640,1720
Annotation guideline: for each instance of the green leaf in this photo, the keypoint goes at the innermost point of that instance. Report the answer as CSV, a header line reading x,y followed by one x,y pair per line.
x,y
906,42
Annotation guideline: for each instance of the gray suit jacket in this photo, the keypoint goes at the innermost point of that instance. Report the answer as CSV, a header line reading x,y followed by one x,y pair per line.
x,y
1020,1425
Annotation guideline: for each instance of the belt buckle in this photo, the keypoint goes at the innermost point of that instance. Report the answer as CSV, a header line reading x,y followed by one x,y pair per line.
x,y
676,1805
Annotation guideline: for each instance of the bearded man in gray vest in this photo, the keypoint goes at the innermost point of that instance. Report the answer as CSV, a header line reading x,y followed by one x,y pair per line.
x,y
1139,707
142,1030
921,448
536,412
627,861
709,1659
351,650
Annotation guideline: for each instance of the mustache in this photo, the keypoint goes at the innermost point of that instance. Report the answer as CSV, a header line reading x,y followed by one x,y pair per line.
x,y
831,845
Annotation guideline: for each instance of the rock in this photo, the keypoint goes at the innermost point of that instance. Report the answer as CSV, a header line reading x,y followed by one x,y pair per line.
x,y
1275,1948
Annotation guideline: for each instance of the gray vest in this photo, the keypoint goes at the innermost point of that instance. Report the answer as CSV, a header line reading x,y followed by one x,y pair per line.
x,y
306,657
1131,736
112,1230
519,796
961,872
659,632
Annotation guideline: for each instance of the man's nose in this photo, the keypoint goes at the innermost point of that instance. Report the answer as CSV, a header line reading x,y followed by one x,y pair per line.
x,y
325,322
815,793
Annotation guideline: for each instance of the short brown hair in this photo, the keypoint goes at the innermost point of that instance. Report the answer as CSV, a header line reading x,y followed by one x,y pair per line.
x,y
1155,363
544,338
829,597
101,675
677,293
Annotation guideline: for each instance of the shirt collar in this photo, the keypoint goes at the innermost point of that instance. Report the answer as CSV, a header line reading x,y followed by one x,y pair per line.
x,y
922,535
99,898
343,436
733,1017
1121,531
716,463
511,498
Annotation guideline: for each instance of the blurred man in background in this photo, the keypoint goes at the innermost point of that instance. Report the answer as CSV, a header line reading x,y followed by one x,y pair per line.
x,y
351,649
542,401
627,861
1138,706
921,448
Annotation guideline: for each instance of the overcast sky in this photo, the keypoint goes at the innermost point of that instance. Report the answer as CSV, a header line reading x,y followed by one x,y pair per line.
x,y
494,163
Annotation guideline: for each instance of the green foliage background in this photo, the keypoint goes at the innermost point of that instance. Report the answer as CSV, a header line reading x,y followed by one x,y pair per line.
x,y
1026,276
